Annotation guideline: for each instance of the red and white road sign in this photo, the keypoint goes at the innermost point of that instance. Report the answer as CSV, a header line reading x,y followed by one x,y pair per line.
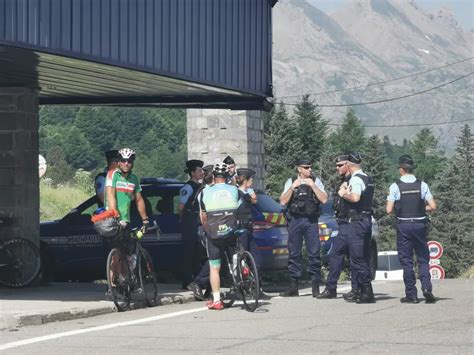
x,y
437,272
435,248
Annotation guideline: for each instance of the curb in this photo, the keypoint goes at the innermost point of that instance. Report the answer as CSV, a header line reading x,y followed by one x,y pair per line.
x,y
78,313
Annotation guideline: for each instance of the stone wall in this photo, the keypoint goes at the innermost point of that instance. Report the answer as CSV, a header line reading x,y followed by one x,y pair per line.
x,y
19,181
214,134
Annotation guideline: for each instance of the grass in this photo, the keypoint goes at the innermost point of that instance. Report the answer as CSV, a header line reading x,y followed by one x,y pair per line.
x,y
55,202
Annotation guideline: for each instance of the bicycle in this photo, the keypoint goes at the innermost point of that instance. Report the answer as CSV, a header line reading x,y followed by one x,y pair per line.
x,y
242,274
123,279
20,262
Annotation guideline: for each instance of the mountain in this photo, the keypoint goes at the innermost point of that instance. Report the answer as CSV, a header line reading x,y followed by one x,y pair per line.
x,y
370,41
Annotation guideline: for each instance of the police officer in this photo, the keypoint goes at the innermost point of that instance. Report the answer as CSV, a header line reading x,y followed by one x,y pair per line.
x,y
340,243
229,161
356,223
302,195
411,198
189,217
112,158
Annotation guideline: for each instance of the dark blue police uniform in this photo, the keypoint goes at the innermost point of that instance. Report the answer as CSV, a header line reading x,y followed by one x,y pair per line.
x,y
356,224
303,212
410,195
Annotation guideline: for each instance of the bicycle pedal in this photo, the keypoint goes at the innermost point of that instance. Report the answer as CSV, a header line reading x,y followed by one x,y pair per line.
x,y
139,290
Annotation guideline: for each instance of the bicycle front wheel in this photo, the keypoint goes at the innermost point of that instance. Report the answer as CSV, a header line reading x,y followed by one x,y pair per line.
x,y
250,285
147,275
118,279
20,262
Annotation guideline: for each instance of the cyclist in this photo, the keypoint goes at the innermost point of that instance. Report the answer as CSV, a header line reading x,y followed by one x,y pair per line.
x,y
218,206
112,158
121,188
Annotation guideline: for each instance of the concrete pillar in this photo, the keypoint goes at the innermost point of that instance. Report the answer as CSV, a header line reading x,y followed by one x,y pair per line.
x,y
214,134
19,182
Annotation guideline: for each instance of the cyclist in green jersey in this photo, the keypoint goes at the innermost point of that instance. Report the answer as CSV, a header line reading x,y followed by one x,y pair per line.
x,y
121,188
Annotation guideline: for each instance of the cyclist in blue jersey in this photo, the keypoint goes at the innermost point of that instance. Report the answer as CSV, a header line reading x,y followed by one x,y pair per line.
x,y
219,203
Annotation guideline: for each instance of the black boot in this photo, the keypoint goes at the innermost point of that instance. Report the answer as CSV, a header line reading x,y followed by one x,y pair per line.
x,y
367,294
352,296
315,288
292,290
429,298
327,293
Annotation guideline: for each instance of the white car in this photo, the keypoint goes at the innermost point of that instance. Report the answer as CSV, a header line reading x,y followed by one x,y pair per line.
x,y
388,266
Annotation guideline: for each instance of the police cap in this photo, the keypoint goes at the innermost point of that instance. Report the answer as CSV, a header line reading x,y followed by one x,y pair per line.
x,y
304,161
248,173
209,167
228,160
405,161
112,155
192,164
354,157
342,157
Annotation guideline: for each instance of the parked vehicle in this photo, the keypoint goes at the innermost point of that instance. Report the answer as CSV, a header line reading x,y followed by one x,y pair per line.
x,y
389,267
72,250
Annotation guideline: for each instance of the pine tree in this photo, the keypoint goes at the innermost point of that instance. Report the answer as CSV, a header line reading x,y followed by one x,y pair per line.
x,y
350,136
311,130
281,150
375,164
453,224
428,158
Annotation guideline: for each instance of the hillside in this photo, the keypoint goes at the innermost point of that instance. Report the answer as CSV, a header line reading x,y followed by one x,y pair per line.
x,y
372,41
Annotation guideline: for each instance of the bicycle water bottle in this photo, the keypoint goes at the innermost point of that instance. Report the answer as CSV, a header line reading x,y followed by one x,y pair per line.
x,y
234,263
132,261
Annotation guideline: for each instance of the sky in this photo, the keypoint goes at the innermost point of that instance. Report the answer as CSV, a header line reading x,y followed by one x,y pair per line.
x,y
462,9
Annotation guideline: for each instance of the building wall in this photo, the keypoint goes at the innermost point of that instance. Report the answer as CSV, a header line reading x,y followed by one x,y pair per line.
x,y
214,134
19,181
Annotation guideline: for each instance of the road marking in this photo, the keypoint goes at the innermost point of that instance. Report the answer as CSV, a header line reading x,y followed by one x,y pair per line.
x,y
98,328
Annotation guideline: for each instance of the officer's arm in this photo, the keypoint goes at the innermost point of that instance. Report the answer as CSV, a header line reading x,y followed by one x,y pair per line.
x,y
351,197
431,206
320,194
111,200
286,195
141,206
389,206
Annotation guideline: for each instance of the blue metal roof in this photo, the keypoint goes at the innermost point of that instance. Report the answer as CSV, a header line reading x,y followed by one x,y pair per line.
x,y
164,51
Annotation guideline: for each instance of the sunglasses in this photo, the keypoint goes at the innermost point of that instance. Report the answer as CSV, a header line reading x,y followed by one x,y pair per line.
x,y
340,165
305,167
126,161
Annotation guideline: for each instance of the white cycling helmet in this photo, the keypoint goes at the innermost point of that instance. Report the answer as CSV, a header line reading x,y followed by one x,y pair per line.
x,y
221,169
127,153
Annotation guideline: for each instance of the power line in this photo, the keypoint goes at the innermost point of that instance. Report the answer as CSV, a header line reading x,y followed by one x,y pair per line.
x,y
379,82
408,125
391,98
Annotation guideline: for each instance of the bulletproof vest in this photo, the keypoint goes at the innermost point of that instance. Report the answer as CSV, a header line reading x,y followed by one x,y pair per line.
x,y
244,211
410,205
192,207
303,202
340,209
99,202
364,206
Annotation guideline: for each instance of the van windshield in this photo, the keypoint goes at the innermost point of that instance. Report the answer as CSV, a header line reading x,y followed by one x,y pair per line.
x,y
388,263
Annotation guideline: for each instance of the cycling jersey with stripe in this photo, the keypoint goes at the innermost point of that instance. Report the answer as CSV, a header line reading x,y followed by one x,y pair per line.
x,y
125,190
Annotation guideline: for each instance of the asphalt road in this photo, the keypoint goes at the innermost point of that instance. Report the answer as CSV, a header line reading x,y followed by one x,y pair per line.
x,y
291,325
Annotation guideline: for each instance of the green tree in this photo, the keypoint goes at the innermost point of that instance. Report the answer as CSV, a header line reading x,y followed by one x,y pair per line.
x,y
429,159
453,224
311,130
350,136
376,165
281,150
